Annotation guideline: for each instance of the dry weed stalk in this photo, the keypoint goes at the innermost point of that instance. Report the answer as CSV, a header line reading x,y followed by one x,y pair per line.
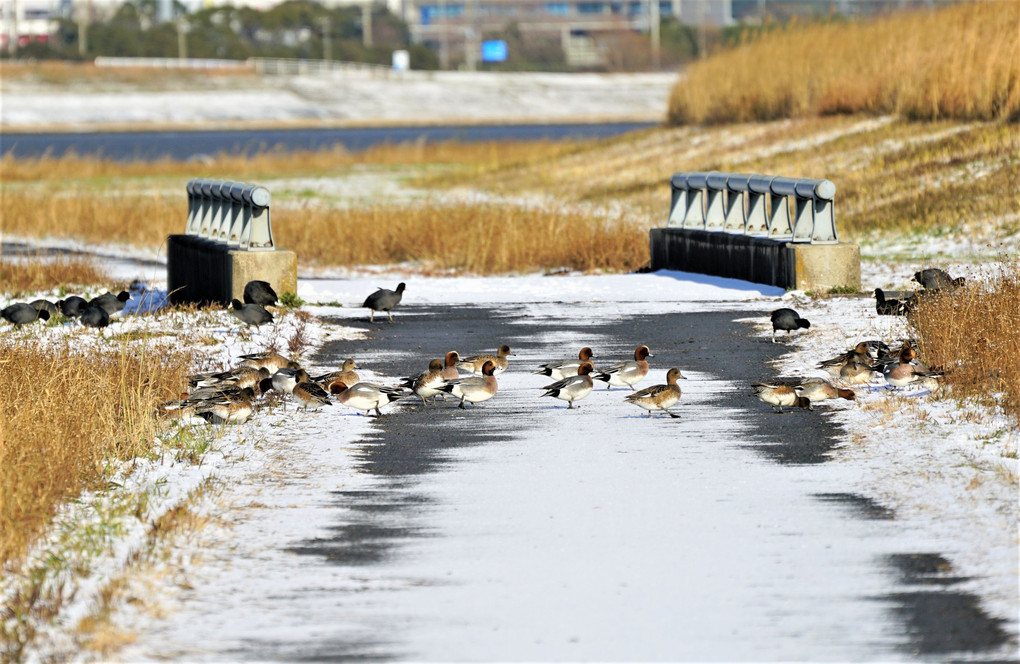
x,y
972,334
958,62
67,415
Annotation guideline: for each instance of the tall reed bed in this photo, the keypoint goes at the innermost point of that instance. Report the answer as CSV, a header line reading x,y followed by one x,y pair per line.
x,y
39,273
481,238
67,415
960,62
478,238
972,333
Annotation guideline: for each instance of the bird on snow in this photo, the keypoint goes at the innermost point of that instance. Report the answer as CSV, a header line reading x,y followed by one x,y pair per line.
x,y
250,314
383,300
659,397
572,388
111,303
21,313
261,293
789,320
628,372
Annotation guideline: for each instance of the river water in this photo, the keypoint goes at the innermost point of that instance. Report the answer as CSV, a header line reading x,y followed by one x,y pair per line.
x,y
185,145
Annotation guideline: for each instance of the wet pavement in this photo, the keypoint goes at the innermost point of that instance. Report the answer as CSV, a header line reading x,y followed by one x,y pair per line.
x,y
842,581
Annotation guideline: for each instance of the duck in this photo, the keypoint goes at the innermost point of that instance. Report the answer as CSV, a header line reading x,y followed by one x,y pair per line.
x,y
346,374
384,300
856,372
572,388
311,395
269,360
566,368
659,397
284,380
21,313
366,396
789,320
72,307
816,389
628,372
214,392
111,303
860,352
427,383
260,293
450,365
475,363
224,412
890,306
250,314
242,376
474,389
778,395
907,370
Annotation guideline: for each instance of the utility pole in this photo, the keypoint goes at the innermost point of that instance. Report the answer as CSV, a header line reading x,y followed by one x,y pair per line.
x,y
182,38
366,24
654,20
327,41
84,12
444,40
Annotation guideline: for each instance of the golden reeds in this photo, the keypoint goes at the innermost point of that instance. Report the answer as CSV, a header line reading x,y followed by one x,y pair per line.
x,y
972,334
960,62
38,273
68,414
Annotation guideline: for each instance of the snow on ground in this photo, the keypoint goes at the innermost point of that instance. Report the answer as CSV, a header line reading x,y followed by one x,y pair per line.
x,y
421,97
949,466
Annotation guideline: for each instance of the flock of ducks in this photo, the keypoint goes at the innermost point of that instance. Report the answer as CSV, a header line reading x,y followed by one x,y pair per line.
x,y
232,396
900,367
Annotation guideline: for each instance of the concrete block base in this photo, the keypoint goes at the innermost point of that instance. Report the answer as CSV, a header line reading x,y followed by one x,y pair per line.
x,y
817,267
201,271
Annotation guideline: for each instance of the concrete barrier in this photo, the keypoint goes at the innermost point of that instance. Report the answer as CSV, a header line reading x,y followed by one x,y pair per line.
x,y
741,226
228,241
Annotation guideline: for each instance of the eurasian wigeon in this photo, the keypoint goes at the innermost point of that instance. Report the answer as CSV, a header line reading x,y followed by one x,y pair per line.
x,y
270,360
816,389
311,395
659,397
572,388
284,380
450,365
346,375
856,372
366,396
224,412
789,320
427,383
629,372
475,363
566,368
383,300
474,389
906,371
778,395
242,376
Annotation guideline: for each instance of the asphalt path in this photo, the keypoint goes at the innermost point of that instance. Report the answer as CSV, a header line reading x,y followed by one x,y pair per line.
x,y
916,613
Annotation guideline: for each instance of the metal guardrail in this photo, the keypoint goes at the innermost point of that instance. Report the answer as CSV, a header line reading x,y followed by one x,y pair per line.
x,y
299,66
171,63
232,213
755,205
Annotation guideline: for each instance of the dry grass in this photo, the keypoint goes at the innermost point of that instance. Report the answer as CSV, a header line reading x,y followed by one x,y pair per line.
x,y
960,62
64,74
41,273
277,162
68,414
972,333
478,238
